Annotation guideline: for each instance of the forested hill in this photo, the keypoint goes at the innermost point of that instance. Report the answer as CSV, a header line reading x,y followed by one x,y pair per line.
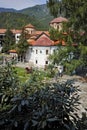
x,y
40,12
18,20
38,15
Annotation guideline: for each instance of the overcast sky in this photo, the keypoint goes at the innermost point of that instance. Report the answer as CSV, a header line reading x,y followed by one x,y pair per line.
x,y
20,4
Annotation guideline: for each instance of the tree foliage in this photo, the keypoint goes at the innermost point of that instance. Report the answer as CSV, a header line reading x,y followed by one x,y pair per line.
x,y
55,7
17,20
76,31
35,107
8,86
22,45
75,10
37,104
9,41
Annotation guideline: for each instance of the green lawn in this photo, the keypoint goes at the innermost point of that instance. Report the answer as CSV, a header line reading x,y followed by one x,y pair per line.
x,y
21,72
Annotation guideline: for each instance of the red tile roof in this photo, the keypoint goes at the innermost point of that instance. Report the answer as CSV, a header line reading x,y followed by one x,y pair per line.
x,y
39,32
29,26
43,40
14,31
2,31
59,20
58,42
12,51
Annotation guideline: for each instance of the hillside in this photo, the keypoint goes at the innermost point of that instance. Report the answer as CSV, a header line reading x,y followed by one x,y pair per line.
x,y
40,12
18,20
37,15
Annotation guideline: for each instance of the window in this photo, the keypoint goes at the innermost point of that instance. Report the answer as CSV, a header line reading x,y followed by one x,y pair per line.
x,y
46,52
46,62
18,36
31,49
36,51
1,36
40,51
36,61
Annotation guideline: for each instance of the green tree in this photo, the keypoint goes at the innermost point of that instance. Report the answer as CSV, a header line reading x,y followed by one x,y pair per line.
x,y
55,7
22,45
42,105
72,55
54,34
76,31
76,11
9,41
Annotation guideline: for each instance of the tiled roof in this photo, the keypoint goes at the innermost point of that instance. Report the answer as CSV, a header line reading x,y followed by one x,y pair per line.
x,y
59,20
58,42
29,26
14,31
39,32
43,40
2,31
12,51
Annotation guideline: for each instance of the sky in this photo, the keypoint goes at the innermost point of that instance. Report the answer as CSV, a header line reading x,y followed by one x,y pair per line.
x,y
20,4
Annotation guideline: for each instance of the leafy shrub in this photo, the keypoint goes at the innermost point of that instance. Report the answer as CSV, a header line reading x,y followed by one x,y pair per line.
x,y
49,107
8,85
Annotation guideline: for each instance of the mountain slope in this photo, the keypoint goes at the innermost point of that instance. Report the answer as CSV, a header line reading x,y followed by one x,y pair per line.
x,y
18,20
40,12
7,10
37,15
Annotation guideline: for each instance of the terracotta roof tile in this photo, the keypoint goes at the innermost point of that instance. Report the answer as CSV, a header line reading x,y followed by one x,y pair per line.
x,y
43,40
14,31
12,51
29,26
58,42
39,32
2,31
59,20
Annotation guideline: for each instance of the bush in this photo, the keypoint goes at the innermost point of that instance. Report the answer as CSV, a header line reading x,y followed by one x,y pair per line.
x,y
49,107
8,86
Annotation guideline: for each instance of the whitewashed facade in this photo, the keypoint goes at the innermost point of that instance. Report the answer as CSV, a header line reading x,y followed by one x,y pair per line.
x,y
38,55
17,37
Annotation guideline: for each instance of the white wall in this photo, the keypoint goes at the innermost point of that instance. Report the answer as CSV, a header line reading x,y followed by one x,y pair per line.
x,y
17,37
56,26
41,57
13,54
30,30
